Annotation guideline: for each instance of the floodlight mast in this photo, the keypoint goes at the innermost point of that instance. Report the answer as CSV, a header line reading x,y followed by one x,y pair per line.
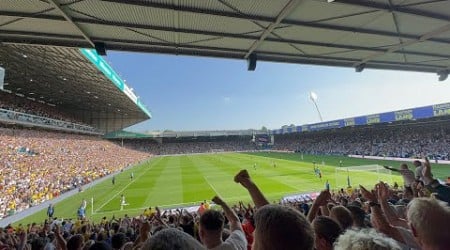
x,y
313,97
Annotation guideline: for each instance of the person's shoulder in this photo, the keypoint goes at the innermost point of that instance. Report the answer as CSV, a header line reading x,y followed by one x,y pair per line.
x,y
237,240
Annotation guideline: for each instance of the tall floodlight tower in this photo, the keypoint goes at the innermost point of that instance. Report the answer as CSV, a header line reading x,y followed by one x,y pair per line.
x,y
313,97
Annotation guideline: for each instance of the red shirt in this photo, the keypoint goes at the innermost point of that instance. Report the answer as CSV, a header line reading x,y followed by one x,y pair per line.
x,y
248,230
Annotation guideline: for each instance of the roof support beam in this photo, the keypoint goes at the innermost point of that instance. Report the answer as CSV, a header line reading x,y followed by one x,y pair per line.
x,y
367,4
397,9
69,19
285,22
268,19
287,9
77,41
132,45
400,46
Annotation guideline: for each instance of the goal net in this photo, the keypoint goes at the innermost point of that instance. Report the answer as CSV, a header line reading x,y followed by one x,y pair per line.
x,y
354,175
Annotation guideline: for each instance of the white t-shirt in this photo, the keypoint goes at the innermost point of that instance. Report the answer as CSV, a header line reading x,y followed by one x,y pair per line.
x,y
408,176
419,174
236,241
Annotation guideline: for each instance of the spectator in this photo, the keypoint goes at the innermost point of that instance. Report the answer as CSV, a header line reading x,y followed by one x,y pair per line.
x,y
358,216
75,242
172,239
118,240
60,162
365,239
429,220
326,231
211,227
343,216
276,226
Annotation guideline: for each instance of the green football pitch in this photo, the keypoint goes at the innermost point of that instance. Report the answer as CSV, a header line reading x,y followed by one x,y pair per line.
x,y
180,181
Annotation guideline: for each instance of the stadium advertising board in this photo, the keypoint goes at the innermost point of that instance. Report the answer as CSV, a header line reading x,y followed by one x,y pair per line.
x,y
109,72
404,115
371,119
441,109
399,115
349,122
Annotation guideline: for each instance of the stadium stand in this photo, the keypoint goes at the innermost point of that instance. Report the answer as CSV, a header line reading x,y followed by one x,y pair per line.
x,y
411,139
34,169
170,146
405,140
23,105
402,35
378,221
65,89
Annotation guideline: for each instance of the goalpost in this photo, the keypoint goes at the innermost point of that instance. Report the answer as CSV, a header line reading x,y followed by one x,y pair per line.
x,y
344,175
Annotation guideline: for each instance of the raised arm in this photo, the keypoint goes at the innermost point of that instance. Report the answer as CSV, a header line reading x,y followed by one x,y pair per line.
x,y
379,220
257,196
391,168
383,195
235,223
59,239
321,200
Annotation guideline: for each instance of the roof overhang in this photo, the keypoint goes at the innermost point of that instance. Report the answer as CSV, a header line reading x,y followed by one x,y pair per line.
x,y
77,82
382,34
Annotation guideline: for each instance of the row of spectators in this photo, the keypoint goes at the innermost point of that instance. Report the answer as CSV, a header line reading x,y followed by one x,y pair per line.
x,y
23,105
391,141
406,141
225,144
35,112
38,165
358,218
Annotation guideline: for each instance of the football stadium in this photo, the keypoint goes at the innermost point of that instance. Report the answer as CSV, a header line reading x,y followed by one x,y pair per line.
x,y
76,174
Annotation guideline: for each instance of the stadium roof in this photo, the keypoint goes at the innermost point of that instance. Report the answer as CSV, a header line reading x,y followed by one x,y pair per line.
x,y
71,80
383,34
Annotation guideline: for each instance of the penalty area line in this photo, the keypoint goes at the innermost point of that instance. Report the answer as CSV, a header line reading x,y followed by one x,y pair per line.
x,y
115,195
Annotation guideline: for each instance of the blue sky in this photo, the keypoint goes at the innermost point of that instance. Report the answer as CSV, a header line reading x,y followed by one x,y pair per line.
x,y
199,93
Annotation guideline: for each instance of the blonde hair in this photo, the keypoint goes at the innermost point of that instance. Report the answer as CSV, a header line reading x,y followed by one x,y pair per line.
x,y
430,218
365,239
280,227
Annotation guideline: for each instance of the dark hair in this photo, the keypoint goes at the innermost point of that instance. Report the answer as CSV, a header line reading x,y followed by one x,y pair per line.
x,y
38,244
118,240
100,246
75,242
327,228
343,216
358,215
212,220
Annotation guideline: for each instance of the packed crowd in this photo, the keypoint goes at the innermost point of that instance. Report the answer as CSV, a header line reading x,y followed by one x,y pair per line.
x,y
34,170
406,141
236,143
431,139
36,112
414,217
23,105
